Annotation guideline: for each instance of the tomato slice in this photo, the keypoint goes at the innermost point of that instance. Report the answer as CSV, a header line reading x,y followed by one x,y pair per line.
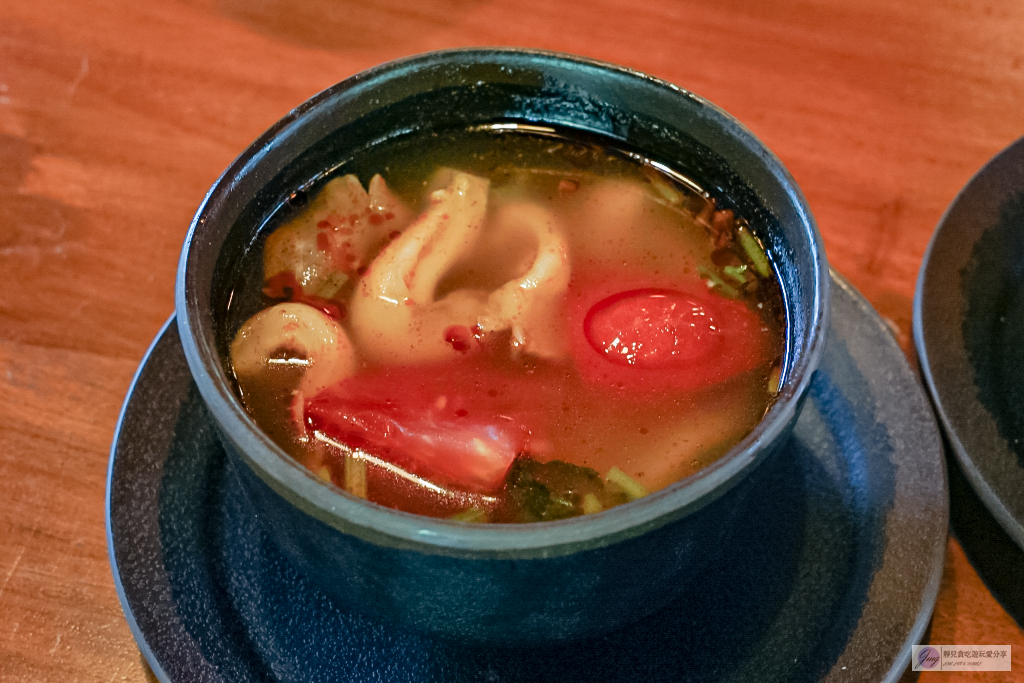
x,y
643,334
653,328
458,425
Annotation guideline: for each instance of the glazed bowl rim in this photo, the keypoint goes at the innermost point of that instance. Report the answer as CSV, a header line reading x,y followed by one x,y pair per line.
x,y
392,528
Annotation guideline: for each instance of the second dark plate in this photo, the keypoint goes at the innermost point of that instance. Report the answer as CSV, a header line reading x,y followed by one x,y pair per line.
x,y
969,333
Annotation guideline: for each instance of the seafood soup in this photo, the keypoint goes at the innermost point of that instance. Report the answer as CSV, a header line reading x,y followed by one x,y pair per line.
x,y
506,324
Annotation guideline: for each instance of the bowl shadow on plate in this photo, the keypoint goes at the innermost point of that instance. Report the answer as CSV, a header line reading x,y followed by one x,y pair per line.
x,y
993,289
993,554
779,601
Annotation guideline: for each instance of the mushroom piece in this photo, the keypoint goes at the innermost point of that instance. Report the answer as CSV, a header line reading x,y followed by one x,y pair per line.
x,y
530,304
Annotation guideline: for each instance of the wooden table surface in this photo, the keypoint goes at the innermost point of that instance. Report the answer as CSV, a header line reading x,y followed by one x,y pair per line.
x,y
117,115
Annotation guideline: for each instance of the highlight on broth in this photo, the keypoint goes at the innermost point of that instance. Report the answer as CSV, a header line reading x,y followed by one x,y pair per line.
x,y
525,327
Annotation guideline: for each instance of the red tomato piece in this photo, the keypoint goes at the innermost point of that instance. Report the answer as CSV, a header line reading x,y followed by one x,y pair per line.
x,y
653,328
636,333
457,425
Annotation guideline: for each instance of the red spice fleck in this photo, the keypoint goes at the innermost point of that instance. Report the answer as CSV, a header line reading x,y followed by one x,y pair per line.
x,y
323,242
722,225
285,286
282,286
723,219
323,225
352,217
345,231
461,412
394,234
568,185
444,216
342,257
376,219
389,215
705,216
332,309
459,337
362,270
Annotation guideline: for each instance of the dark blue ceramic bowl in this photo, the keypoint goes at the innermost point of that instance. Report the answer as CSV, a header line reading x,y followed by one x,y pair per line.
x,y
501,583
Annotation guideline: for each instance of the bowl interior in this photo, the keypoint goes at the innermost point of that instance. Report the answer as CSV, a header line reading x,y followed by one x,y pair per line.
x,y
464,88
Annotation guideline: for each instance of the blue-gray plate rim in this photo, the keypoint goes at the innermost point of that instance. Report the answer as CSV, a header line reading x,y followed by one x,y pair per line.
x,y
969,278
834,579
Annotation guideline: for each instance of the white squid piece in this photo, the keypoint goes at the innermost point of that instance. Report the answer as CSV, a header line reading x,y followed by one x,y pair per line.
x,y
299,334
394,315
530,304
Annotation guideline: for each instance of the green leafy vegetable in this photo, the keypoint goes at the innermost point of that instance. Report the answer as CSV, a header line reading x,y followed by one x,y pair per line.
x,y
736,273
717,284
472,514
544,492
755,252
631,486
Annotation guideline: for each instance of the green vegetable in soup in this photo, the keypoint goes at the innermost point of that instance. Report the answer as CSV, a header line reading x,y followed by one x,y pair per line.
x,y
544,492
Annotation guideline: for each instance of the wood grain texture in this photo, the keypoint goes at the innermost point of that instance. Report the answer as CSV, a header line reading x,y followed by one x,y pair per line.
x,y
117,116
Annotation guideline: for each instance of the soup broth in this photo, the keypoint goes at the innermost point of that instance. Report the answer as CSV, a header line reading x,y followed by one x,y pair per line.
x,y
506,324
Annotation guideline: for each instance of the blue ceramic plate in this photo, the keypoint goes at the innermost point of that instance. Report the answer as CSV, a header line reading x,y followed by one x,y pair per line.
x,y
834,580
968,324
